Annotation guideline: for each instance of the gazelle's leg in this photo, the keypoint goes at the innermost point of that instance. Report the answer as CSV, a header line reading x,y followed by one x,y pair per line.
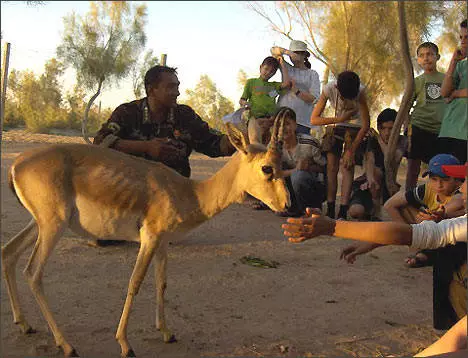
x,y
49,234
160,275
11,252
145,254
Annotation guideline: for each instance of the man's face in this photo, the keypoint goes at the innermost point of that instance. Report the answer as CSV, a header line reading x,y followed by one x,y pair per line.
x,y
464,40
427,58
165,93
385,129
267,72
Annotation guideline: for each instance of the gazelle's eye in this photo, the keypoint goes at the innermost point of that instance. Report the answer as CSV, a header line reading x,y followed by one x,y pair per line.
x,y
267,169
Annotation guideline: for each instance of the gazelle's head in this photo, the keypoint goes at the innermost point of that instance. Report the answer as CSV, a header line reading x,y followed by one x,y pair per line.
x,y
259,172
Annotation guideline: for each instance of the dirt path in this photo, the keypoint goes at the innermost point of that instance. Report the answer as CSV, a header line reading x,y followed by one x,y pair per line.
x,y
312,304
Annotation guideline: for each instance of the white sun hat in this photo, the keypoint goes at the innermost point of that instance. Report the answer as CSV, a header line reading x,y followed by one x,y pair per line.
x,y
296,45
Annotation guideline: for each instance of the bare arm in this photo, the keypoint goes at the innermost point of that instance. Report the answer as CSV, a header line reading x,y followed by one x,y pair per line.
x,y
455,207
448,85
382,233
316,118
453,340
285,80
394,205
365,118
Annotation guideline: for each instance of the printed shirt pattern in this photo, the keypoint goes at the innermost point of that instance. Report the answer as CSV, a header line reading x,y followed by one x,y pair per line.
x,y
185,127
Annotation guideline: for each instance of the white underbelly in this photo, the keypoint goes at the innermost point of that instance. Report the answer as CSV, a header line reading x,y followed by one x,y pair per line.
x,y
92,219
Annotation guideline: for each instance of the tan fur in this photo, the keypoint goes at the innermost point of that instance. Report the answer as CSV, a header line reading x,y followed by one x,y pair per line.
x,y
101,193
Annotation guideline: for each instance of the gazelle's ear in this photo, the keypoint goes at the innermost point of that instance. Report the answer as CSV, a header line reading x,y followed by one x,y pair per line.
x,y
237,138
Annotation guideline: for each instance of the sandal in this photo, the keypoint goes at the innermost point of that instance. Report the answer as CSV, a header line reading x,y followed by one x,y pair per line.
x,y
417,260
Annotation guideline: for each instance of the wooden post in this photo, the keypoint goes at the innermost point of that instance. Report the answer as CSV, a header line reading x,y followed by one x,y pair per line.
x,y
163,59
6,59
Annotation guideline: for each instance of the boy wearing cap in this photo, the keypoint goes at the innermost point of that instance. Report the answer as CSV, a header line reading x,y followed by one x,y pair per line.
x,y
259,96
449,299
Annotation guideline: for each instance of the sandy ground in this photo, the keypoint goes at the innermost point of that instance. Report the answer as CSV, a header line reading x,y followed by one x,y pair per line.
x,y
313,304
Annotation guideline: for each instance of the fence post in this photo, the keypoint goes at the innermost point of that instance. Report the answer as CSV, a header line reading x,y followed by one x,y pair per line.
x,y
163,59
6,59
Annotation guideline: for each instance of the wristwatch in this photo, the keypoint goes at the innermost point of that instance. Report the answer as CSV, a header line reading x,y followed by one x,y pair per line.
x,y
297,92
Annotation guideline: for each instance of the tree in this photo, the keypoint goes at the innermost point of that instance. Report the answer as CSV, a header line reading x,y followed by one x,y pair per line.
x,y
208,102
391,166
49,81
355,35
103,46
139,70
242,79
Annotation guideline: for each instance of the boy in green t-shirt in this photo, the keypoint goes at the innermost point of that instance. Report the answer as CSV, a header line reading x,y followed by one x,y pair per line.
x,y
260,97
427,114
454,131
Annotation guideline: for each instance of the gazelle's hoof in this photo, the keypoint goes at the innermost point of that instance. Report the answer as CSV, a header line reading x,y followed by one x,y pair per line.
x,y
69,351
130,353
26,328
169,337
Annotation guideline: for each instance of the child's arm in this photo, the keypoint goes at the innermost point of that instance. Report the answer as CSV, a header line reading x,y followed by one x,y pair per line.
x,y
394,205
314,87
285,80
448,84
246,94
453,340
316,118
383,233
348,157
455,207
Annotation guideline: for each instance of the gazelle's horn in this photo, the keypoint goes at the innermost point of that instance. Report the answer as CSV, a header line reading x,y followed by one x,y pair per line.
x,y
277,128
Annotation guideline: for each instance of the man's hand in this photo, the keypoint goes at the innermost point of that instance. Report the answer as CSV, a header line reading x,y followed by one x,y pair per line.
x,y
350,252
165,149
458,55
311,225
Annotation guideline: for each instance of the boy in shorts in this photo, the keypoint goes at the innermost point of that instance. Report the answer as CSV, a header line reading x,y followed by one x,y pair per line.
x,y
260,97
369,189
427,114
348,126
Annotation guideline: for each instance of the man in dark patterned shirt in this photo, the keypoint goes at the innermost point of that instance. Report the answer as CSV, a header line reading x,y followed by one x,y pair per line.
x,y
159,129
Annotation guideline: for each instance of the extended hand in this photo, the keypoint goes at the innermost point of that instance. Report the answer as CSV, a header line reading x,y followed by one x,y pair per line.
x,y
347,115
350,252
348,159
165,149
313,224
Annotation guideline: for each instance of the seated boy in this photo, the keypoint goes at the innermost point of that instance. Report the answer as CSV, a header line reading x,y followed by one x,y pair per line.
x,y
303,166
369,189
350,124
260,97
435,200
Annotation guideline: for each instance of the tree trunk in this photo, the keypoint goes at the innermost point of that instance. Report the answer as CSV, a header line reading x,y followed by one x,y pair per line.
x,y
391,166
84,129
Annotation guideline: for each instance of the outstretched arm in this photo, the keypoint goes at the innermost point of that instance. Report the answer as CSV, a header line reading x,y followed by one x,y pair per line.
x,y
383,233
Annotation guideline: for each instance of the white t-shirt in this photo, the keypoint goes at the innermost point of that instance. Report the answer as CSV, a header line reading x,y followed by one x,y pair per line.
x,y
432,235
307,80
341,105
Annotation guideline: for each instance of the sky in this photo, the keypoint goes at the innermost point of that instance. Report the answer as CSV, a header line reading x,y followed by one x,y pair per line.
x,y
217,38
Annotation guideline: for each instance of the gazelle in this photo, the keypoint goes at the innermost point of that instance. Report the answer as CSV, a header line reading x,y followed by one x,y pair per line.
x,y
101,193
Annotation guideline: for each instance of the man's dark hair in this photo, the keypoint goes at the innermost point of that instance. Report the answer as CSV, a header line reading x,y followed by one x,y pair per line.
x,y
153,75
430,45
348,83
387,115
271,61
463,23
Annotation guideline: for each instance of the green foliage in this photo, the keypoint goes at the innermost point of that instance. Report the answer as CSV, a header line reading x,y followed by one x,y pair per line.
x,y
139,70
209,103
40,104
105,44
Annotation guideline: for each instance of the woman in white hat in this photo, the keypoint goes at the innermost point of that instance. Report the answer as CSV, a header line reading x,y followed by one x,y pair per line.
x,y
306,84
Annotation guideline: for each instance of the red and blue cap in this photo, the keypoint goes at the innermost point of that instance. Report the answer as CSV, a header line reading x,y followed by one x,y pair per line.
x,y
456,171
439,160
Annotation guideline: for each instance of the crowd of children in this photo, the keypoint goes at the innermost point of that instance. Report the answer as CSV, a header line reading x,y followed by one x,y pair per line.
x,y
436,135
